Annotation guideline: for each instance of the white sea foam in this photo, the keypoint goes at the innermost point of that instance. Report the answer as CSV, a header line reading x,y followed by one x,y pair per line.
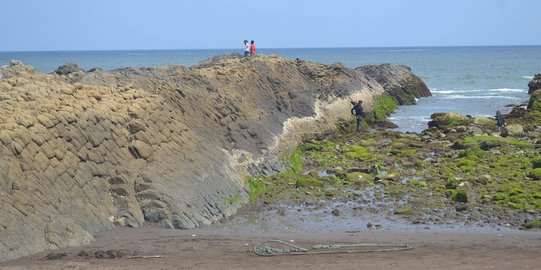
x,y
405,50
500,90
527,77
414,118
479,97
453,91
508,90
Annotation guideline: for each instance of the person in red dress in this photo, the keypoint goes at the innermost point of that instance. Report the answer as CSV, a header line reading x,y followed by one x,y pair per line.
x,y
252,48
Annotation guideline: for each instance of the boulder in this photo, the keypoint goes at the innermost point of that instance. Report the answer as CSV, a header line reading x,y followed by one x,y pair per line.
x,y
461,206
15,62
535,83
140,149
448,120
513,130
61,234
67,69
391,176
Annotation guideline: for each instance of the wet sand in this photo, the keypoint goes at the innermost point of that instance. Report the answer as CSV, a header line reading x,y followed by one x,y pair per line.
x,y
229,244
220,248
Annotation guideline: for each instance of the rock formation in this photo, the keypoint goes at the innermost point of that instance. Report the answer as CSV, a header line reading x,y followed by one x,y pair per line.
x,y
68,68
535,83
398,82
87,151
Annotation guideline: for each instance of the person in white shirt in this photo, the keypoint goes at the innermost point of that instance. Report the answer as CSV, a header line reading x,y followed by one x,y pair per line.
x,y
246,48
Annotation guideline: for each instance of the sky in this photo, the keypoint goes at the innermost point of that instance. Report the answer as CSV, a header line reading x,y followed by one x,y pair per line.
x,y
53,25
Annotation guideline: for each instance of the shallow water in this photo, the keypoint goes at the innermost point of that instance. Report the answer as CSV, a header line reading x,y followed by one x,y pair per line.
x,y
351,220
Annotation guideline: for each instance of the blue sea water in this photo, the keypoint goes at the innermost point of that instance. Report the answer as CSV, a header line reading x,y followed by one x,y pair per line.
x,y
467,80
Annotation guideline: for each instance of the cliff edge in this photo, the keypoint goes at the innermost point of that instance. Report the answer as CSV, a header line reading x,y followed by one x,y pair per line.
x,y
82,152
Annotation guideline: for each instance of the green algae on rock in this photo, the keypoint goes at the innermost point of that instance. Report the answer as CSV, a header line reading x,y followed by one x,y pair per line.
x,y
447,174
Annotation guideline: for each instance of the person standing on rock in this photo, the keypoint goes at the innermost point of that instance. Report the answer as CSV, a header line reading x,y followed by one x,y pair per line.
x,y
500,121
246,48
252,48
357,110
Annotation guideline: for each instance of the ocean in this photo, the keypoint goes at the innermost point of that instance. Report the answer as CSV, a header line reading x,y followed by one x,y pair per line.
x,y
467,80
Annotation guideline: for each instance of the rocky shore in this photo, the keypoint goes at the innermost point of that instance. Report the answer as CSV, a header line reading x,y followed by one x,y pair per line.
x,y
460,171
85,151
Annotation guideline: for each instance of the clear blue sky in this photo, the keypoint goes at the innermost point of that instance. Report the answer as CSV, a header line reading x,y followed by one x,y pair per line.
x,y
31,25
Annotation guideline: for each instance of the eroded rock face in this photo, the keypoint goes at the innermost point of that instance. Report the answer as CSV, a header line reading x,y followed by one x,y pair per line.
x,y
85,153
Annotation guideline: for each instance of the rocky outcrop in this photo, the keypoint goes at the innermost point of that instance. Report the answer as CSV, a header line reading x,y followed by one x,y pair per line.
x,y
448,120
85,153
68,68
398,81
535,83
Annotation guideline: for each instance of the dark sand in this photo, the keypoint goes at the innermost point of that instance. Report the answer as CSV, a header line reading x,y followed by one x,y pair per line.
x,y
220,248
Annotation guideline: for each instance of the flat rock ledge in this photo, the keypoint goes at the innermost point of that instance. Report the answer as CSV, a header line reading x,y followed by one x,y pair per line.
x,y
83,152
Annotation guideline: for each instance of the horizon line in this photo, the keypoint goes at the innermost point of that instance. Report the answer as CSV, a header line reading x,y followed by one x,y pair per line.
x,y
278,48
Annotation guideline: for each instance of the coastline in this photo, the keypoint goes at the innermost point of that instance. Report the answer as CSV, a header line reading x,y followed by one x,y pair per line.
x,y
231,236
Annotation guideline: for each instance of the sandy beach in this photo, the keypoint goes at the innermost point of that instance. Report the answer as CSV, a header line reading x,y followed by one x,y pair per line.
x,y
216,248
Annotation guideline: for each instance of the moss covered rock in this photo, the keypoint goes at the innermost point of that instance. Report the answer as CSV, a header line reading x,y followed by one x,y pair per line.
x,y
358,152
447,120
487,142
536,163
405,210
460,196
513,130
309,182
485,121
535,101
391,176
534,224
451,184
535,174
359,177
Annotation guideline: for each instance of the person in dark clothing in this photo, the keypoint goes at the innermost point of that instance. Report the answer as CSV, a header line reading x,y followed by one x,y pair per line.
x,y
357,110
500,121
